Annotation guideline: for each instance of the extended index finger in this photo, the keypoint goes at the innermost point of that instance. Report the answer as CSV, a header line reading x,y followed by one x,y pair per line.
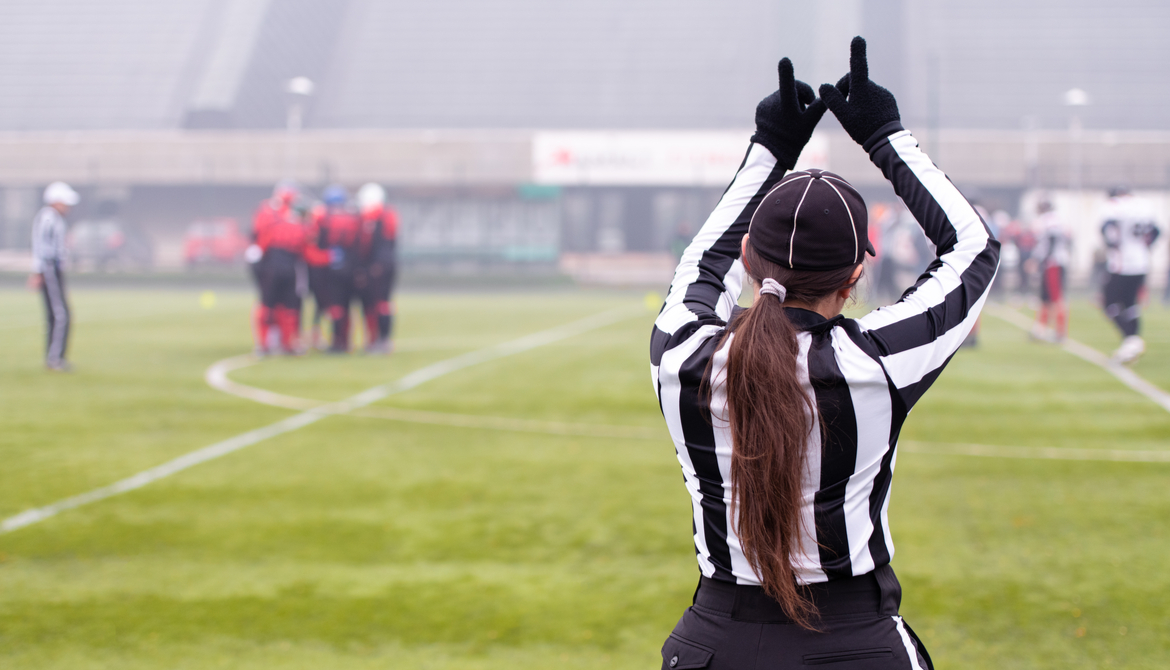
x,y
858,66
787,83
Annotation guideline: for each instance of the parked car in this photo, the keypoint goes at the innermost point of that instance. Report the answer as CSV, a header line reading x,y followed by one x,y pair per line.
x,y
214,242
109,244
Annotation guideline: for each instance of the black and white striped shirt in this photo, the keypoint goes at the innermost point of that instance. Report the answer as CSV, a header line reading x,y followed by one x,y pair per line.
x,y
48,239
864,374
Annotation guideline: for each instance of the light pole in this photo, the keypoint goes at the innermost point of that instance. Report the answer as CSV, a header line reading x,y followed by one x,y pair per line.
x,y
1074,98
934,104
298,89
1031,151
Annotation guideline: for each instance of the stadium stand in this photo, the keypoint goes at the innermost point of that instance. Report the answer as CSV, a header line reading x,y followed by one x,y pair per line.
x,y
133,64
163,108
117,64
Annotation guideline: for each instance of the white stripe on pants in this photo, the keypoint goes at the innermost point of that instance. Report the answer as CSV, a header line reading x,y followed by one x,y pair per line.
x,y
911,648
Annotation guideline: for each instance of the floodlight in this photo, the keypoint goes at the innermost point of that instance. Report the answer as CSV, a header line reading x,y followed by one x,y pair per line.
x,y
300,86
1076,97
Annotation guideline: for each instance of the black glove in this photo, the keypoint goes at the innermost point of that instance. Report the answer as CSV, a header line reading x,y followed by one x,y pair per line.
x,y
869,108
785,119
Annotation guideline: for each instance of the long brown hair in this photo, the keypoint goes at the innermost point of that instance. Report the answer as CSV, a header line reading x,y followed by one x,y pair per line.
x,y
771,420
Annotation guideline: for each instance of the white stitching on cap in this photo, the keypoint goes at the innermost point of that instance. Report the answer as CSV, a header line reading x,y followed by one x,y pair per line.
x,y
796,213
839,179
851,225
773,190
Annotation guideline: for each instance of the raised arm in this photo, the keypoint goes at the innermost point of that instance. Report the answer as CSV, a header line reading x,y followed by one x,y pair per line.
x,y
709,277
917,336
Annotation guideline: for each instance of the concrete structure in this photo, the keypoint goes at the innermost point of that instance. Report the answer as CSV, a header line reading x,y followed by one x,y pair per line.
x,y
161,180
983,158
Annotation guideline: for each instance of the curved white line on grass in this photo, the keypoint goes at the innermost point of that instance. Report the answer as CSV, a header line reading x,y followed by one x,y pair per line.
x,y
217,378
314,415
1091,355
1047,453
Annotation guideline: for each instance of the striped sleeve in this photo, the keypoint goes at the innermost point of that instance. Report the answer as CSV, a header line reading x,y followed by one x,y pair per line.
x,y
916,336
684,341
709,277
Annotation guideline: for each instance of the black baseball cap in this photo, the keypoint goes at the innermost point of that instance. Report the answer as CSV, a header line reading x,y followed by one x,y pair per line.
x,y
811,220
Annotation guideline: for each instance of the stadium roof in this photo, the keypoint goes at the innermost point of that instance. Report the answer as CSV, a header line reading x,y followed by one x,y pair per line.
x,y
140,64
78,64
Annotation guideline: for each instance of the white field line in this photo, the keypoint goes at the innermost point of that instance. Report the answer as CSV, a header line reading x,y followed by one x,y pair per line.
x,y
217,378
1049,453
86,317
1091,355
82,320
515,425
14,326
634,432
315,414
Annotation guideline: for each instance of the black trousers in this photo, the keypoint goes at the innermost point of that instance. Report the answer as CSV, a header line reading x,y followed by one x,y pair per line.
x,y
732,627
56,313
317,288
375,287
379,278
1121,298
337,295
278,280
337,286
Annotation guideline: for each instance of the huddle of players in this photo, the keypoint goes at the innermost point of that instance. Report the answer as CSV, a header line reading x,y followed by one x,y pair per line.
x,y
338,250
1129,234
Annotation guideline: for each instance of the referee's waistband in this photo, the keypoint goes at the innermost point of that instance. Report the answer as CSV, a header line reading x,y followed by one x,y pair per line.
x,y
876,592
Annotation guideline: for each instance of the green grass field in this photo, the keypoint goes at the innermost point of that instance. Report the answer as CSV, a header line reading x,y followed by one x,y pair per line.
x,y
363,542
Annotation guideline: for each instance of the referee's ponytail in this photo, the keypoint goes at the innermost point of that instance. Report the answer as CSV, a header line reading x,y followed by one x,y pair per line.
x,y
771,421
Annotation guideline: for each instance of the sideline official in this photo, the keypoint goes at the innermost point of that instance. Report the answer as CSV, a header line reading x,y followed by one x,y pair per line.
x,y
785,416
49,255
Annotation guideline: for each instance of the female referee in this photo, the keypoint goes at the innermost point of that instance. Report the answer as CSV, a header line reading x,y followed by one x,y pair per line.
x,y
785,416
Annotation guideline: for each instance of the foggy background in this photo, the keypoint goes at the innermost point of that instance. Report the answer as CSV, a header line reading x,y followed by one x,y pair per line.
x,y
537,137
